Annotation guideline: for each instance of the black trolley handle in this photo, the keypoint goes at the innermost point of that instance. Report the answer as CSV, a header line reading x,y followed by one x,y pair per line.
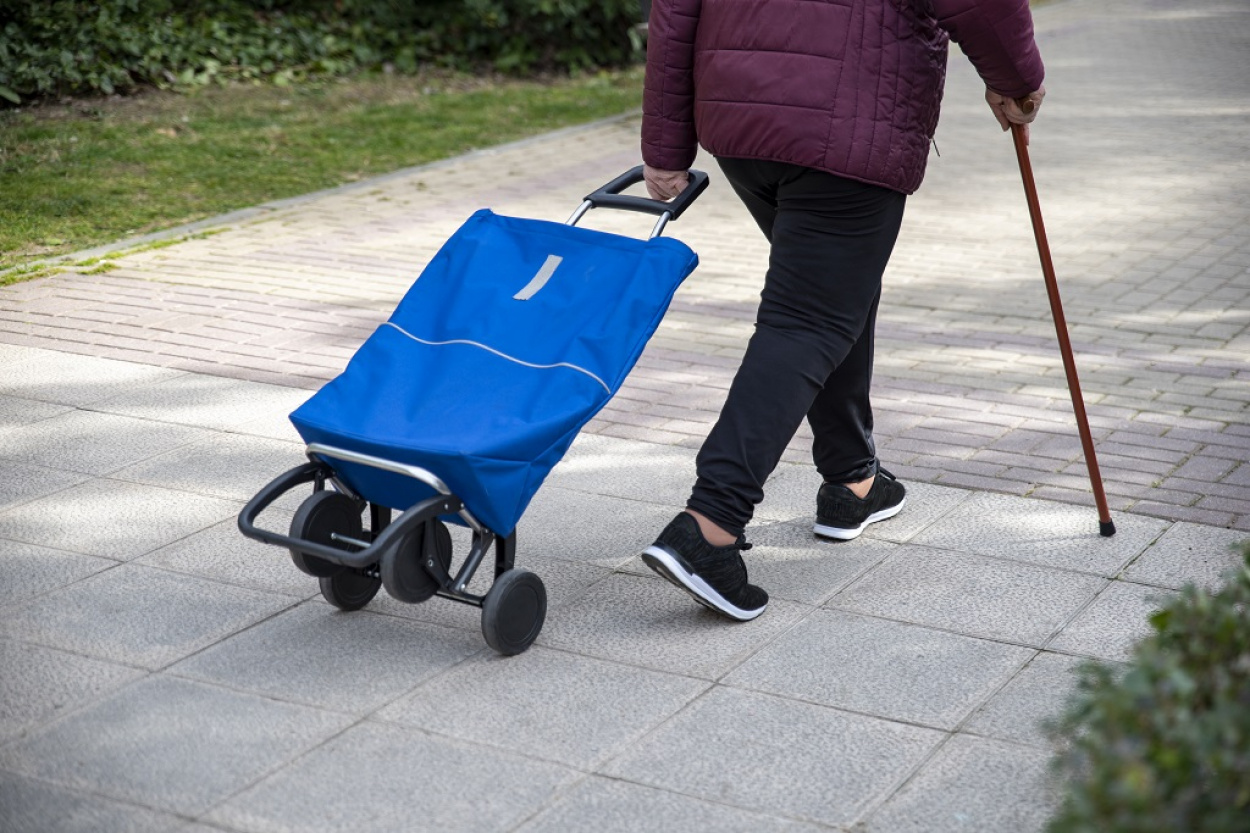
x,y
610,196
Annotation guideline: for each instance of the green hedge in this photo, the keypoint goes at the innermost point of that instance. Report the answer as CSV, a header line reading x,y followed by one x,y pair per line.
x,y
1166,745
63,47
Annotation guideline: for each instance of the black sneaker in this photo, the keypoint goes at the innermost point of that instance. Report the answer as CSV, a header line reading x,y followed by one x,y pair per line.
x,y
842,515
714,576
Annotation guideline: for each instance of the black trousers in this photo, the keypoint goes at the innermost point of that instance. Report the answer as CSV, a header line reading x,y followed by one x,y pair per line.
x,y
812,350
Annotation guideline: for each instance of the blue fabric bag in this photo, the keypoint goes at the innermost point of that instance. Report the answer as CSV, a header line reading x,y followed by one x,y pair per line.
x,y
513,337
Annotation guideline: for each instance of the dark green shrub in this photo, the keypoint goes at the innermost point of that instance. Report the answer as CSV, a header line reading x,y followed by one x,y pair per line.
x,y
58,47
1166,745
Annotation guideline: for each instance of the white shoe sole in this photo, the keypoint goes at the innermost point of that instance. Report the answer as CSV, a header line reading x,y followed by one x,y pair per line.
x,y
840,534
662,562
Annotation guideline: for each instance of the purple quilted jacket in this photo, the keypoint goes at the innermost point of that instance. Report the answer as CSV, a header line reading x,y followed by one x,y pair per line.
x,y
851,87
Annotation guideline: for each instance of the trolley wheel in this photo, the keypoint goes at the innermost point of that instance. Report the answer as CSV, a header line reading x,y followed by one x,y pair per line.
x,y
403,566
350,589
513,611
317,518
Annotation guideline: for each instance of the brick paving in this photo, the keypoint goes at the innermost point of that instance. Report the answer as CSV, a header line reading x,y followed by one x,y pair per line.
x,y
1141,159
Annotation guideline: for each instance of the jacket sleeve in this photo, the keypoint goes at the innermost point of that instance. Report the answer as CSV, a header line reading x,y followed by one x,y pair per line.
x,y
669,140
997,36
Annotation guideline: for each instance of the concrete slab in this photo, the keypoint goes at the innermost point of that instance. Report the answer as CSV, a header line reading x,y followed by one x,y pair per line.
x,y
1189,554
972,784
391,778
146,744
657,474
30,806
16,411
1041,532
991,598
547,704
113,519
23,483
1018,711
30,571
650,623
319,656
40,684
230,466
92,443
74,379
589,528
138,616
204,401
222,554
881,668
610,806
10,353
776,756
1112,623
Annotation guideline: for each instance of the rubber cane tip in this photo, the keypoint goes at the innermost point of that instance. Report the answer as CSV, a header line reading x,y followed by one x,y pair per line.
x,y
1106,528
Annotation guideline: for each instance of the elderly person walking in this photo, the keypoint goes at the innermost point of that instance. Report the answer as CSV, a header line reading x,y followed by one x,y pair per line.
x,y
820,114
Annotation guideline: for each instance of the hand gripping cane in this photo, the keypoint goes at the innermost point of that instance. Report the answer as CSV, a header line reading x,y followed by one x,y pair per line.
x,y
1105,525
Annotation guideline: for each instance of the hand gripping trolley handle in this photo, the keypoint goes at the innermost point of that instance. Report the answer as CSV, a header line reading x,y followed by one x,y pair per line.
x,y
411,554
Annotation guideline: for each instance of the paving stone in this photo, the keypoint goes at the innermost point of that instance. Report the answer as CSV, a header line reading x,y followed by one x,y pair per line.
x,y
275,426
15,411
29,806
22,483
1038,693
67,379
30,570
92,443
973,784
657,473
112,519
887,669
589,528
39,684
228,466
610,806
223,554
319,656
990,598
11,353
138,616
776,756
147,744
648,622
1113,623
390,778
1050,534
564,708
1188,553
204,401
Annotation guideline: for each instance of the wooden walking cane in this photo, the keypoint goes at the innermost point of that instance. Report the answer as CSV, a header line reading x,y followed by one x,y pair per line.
x,y
1106,526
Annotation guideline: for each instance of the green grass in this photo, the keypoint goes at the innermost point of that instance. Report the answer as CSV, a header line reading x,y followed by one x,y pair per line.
x,y
77,175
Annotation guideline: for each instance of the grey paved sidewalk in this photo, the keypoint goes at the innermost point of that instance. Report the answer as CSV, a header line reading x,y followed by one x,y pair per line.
x,y
160,672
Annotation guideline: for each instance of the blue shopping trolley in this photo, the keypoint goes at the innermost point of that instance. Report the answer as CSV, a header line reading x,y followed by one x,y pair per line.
x,y
455,410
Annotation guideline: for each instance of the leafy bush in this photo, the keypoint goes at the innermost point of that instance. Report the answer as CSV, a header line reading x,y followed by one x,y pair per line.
x,y
58,47
1166,745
